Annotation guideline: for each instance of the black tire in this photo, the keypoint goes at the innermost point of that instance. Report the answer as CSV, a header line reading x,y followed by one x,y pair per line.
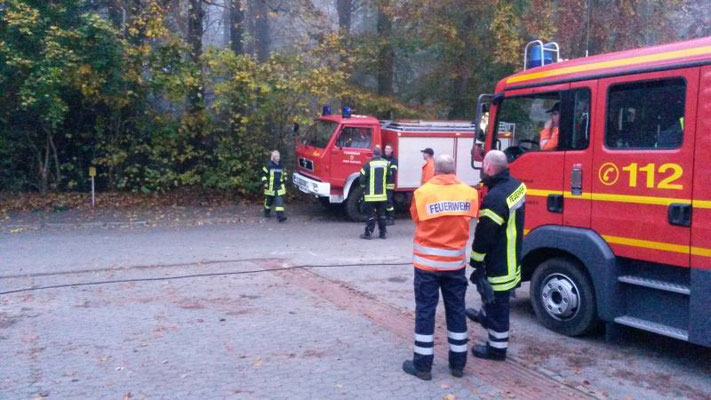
x,y
353,205
563,297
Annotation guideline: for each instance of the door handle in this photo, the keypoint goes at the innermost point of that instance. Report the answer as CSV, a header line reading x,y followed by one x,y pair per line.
x,y
555,203
680,214
576,180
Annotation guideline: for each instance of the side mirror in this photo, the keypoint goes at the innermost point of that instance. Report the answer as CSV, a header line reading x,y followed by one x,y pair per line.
x,y
296,129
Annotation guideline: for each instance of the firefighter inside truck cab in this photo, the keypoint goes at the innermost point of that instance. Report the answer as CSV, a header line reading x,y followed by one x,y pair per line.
x,y
549,133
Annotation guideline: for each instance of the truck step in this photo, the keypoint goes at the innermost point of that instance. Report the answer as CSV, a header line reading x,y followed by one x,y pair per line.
x,y
653,327
655,284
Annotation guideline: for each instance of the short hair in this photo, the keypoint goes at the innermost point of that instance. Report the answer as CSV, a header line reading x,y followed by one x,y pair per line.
x,y
275,153
497,159
444,164
377,152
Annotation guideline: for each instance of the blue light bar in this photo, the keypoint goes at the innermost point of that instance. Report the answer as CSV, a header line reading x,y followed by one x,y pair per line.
x,y
346,112
326,110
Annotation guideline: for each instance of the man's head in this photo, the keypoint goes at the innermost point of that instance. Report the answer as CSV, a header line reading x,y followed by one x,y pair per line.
x,y
377,152
388,150
427,153
276,156
444,164
554,114
494,162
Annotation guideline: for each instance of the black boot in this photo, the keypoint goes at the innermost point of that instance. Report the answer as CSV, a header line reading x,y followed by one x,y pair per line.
x,y
281,218
366,236
483,351
409,367
383,235
473,314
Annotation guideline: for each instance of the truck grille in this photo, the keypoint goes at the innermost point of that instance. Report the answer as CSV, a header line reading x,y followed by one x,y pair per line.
x,y
306,164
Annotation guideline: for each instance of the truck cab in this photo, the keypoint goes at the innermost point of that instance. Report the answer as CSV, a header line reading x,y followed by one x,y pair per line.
x,y
331,152
618,216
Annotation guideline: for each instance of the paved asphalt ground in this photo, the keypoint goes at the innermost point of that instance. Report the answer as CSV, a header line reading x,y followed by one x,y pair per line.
x,y
219,303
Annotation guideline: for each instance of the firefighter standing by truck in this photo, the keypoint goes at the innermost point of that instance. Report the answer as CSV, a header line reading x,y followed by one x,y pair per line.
x,y
274,181
496,253
390,207
374,178
442,210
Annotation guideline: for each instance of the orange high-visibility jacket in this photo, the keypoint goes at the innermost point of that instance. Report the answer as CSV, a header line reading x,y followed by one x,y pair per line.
x,y
442,209
427,171
549,138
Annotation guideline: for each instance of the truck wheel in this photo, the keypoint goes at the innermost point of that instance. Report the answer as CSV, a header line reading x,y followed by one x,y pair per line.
x,y
563,298
353,205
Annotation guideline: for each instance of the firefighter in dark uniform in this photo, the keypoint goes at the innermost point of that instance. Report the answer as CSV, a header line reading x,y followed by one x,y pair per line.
x,y
374,178
274,181
496,253
390,207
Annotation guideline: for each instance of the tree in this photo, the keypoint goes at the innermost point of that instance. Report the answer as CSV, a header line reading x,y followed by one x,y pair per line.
x,y
386,53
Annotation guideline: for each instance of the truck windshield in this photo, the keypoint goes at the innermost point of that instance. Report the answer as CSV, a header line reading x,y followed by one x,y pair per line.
x,y
318,134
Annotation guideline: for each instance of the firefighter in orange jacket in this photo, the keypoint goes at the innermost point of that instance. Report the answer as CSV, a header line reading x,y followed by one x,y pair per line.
x,y
428,169
442,209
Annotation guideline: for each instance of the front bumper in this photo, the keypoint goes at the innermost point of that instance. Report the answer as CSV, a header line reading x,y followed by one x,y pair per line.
x,y
311,186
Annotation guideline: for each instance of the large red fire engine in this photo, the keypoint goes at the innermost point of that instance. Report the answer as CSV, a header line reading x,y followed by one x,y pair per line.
x,y
331,152
618,214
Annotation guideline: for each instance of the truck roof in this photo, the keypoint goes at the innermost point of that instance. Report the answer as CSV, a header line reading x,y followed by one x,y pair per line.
x,y
364,119
428,126
669,56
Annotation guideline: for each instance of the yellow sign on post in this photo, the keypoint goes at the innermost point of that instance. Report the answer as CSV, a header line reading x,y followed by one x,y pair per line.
x,y
92,171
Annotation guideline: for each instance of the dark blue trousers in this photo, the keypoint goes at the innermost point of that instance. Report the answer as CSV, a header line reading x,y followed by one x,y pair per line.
x,y
427,287
495,319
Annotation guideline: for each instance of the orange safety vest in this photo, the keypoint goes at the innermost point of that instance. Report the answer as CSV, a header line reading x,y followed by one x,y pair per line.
x,y
549,139
427,171
442,209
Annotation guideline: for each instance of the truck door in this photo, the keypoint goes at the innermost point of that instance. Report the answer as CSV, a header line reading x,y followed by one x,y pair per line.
x,y
576,126
351,150
643,163
525,118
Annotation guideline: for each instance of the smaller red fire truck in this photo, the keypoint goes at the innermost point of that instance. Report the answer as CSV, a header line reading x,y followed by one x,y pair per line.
x,y
330,154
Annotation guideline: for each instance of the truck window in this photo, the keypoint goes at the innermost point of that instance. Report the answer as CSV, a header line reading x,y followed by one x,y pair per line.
x,y
355,137
528,123
646,115
580,134
318,134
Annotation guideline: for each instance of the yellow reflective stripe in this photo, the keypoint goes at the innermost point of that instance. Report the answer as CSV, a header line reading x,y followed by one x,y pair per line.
x,y
265,169
478,257
492,215
612,64
511,236
700,251
507,286
621,198
647,244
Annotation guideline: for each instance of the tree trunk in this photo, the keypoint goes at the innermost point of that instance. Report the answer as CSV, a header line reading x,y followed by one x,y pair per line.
x,y
261,29
386,54
196,15
345,12
236,22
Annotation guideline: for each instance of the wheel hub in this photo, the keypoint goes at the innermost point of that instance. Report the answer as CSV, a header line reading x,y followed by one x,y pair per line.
x,y
560,297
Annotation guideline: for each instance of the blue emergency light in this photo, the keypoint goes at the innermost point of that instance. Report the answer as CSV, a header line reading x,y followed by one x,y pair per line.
x,y
326,110
346,112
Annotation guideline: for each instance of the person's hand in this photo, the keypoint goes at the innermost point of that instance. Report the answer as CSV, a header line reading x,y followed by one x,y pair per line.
x,y
478,278
548,124
485,291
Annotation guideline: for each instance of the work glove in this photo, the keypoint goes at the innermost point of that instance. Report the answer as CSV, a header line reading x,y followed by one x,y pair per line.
x,y
478,278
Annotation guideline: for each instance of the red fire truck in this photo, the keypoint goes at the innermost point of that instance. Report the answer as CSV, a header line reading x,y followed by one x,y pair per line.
x,y
618,215
330,154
